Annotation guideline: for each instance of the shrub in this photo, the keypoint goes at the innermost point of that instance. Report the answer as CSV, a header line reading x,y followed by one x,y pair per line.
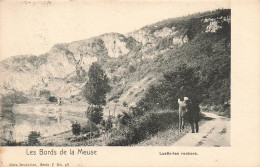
x,y
118,138
95,114
139,128
12,143
33,138
15,97
164,94
124,118
107,124
116,94
132,69
89,127
45,93
53,99
137,111
117,141
76,128
125,104
85,137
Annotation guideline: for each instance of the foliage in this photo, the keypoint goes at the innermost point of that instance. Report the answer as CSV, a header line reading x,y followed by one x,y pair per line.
x,y
164,43
117,138
183,22
12,143
124,118
45,93
221,110
95,114
142,127
76,128
107,124
116,94
132,69
125,104
53,99
89,127
98,85
15,97
165,93
33,138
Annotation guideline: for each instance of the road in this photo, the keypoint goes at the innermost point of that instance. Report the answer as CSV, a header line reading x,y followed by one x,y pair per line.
x,y
214,133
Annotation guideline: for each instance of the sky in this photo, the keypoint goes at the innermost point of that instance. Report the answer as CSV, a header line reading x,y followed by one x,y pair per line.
x,y
33,27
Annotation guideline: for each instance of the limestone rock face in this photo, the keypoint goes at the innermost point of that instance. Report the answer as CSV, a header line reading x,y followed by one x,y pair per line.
x,y
179,41
166,31
116,45
213,26
63,70
59,64
214,23
143,36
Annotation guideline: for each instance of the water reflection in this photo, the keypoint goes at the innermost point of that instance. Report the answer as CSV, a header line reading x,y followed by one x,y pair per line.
x,y
48,119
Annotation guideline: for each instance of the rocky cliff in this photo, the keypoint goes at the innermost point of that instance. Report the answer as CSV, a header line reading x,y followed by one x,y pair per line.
x,y
63,70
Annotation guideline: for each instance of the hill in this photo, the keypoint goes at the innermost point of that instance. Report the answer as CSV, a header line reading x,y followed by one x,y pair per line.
x,y
133,62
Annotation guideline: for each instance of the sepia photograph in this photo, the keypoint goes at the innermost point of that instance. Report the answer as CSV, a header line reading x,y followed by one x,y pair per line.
x,y
115,74
129,83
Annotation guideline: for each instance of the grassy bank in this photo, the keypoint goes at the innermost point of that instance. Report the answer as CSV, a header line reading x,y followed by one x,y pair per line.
x,y
156,128
169,136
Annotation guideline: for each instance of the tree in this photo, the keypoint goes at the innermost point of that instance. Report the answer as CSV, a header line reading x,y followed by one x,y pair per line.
x,y
95,92
165,94
76,128
94,114
97,87
33,138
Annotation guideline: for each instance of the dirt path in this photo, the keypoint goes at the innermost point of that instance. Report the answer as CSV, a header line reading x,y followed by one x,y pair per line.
x,y
214,133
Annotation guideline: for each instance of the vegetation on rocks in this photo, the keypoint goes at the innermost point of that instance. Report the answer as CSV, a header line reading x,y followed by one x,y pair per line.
x,y
146,67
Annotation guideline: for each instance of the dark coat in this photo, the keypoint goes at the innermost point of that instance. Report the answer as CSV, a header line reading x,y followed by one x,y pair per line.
x,y
193,112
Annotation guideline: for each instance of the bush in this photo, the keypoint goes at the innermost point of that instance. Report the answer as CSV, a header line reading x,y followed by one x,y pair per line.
x,y
137,111
117,141
132,69
15,97
124,118
53,99
12,143
85,137
164,94
76,128
116,94
95,114
125,104
139,128
89,127
45,93
33,138
107,124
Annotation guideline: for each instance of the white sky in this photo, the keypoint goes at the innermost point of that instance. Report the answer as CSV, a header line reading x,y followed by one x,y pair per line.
x,y
33,28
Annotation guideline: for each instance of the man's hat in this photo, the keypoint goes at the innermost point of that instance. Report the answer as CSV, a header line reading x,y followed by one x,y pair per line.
x,y
186,99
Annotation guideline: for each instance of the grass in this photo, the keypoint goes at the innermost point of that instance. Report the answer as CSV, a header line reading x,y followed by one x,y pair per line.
x,y
169,136
164,137
220,110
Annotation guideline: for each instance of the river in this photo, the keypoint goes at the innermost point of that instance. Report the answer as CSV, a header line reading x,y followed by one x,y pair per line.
x,y
48,119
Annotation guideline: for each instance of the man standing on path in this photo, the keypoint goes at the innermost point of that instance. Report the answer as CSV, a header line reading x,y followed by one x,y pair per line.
x,y
193,115
188,110
182,107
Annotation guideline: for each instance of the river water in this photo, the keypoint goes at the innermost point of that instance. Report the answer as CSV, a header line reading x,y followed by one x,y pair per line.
x,y
48,119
